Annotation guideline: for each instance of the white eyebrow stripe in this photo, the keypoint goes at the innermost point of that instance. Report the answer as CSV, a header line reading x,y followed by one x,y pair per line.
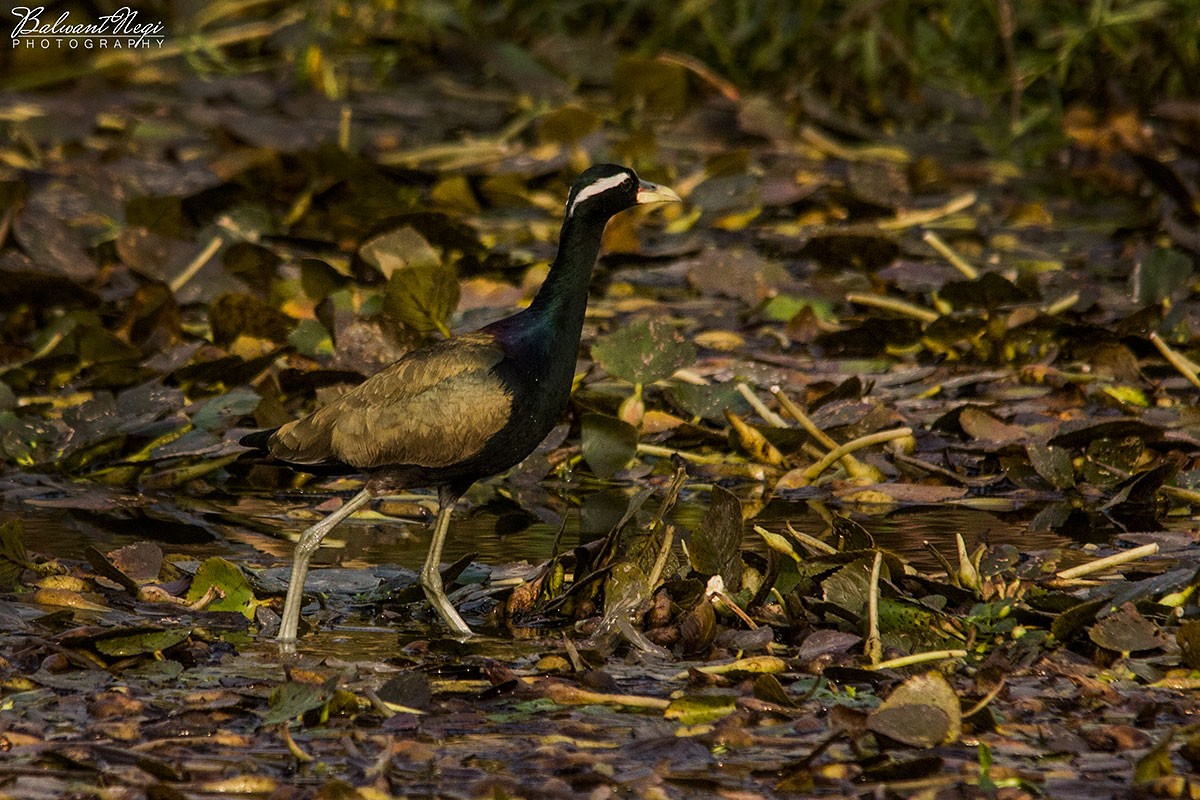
x,y
602,185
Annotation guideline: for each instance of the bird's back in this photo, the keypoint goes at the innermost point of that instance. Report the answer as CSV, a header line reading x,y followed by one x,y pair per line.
x,y
432,409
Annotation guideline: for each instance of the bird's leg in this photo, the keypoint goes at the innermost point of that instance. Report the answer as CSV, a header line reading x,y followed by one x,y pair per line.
x,y
289,623
431,576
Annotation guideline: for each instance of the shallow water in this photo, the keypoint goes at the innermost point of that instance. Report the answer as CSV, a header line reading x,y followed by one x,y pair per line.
x,y
494,536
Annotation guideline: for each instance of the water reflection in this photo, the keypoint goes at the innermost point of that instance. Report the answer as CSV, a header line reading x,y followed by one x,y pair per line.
x,y
496,532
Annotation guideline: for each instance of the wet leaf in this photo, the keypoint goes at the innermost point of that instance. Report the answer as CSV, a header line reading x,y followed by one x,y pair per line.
x,y
608,443
1127,631
225,576
140,643
651,83
700,709
752,442
408,690
921,712
422,297
1188,638
716,543
222,410
12,553
567,125
236,315
292,699
708,402
400,249
644,351
1161,276
1052,463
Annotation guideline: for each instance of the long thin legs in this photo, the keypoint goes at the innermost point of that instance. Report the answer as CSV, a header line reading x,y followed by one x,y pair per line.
x,y
431,576
289,624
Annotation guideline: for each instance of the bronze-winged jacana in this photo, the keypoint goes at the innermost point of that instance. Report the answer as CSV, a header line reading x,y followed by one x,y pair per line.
x,y
464,408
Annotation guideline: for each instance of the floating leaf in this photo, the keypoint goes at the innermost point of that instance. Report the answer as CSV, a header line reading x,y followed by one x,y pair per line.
x,y
293,699
1052,463
709,401
226,576
1160,276
921,712
716,543
608,443
397,250
12,553
142,642
224,409
1127,631
422,297
644,351
410,690
700,709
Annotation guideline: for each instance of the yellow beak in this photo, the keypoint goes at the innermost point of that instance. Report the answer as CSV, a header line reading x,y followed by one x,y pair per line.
x,y
653,193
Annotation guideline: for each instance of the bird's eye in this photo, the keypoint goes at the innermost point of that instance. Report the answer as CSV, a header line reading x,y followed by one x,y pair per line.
x,y
598,187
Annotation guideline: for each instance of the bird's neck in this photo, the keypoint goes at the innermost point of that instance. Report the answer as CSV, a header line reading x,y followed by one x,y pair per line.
x,y
562,299
544,338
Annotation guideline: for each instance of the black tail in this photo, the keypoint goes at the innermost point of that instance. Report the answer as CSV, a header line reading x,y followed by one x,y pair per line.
x,y
258,440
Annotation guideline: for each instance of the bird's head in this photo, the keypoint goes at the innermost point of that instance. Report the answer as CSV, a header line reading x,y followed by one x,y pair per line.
x,y
605,189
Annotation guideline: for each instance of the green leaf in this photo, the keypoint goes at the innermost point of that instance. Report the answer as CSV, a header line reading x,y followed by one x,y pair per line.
x,y
142,642
608,443
700,709
12,553
783,307
707,402
293,699
1052,463
716,544
643,352
224,409
422,297
1161,276
226,576
921,712
397,250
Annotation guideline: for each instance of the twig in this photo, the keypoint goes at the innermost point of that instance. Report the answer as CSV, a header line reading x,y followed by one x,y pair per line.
x,y
816,469
760,408
873,647
1061,305
892,304
189,272
1177,360
987,698
910,219
566,695
1101,564
956,261
661,561
854,468
920,658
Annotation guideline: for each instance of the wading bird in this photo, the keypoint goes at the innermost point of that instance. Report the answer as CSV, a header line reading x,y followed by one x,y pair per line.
x,y
466,407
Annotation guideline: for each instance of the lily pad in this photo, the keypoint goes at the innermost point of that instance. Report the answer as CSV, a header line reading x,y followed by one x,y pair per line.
x,y
644,351
226,576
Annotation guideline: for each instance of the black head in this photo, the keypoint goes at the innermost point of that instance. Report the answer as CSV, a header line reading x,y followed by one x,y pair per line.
x,y
605,189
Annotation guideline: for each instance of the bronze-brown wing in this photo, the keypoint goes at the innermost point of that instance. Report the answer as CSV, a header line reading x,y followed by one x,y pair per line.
x,y
436,407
